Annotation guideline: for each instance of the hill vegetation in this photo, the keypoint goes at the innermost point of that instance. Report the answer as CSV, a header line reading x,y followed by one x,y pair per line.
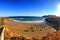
x,y
1,21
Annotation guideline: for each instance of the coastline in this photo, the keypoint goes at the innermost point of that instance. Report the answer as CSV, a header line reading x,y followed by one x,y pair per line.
x,y
29,21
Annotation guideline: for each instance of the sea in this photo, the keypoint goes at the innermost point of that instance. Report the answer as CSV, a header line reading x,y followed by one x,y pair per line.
x,y
27,18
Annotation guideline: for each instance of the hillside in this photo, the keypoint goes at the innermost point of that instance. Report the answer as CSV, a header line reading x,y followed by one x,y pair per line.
x,y
54,21
32,31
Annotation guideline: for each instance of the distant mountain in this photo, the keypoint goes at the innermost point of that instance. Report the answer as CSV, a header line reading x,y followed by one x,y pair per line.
x,y
49,16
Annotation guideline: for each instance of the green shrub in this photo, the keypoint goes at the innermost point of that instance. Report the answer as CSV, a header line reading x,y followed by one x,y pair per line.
x,y
1,21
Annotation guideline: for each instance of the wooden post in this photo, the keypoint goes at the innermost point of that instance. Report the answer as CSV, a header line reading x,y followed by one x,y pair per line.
x,y
2,34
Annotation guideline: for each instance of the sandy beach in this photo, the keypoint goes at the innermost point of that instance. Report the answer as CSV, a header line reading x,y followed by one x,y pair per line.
x,y
28,29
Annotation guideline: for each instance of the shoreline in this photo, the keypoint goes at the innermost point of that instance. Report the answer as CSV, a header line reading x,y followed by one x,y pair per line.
x,y
29,21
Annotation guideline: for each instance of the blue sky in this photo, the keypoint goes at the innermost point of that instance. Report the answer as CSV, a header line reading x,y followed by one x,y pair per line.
x,y
27,7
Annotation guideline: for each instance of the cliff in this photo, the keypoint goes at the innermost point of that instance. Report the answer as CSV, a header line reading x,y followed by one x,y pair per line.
x,y
53,21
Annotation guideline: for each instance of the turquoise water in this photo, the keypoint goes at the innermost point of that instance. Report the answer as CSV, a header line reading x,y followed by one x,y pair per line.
x,y
27,18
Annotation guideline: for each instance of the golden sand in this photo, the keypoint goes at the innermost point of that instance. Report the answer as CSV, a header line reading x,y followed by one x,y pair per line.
x,y
29,30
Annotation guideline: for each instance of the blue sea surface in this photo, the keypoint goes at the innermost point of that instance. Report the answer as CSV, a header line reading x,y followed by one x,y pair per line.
x,y
27,18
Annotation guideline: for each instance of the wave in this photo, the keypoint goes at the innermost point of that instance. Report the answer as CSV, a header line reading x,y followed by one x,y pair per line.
x,y
29,21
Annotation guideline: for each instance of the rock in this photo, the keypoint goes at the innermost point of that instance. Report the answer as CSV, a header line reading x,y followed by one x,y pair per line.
x,y
54,21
